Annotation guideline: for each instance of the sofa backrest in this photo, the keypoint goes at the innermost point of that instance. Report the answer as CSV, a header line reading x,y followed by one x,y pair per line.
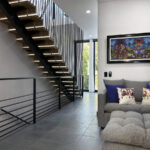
x,y
114,82
138,88
137,85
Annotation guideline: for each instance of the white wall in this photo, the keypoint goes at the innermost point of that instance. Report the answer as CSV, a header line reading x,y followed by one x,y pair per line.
x,y
14,62
122,17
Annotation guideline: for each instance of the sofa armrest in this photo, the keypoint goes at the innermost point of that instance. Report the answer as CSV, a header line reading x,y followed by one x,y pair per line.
x,y
101,104
101,100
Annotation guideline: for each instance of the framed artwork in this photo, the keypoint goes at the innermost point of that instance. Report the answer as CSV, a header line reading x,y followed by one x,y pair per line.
x,y
128,48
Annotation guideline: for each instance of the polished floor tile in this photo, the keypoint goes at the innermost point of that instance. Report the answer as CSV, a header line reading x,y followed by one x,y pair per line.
x,y
74,127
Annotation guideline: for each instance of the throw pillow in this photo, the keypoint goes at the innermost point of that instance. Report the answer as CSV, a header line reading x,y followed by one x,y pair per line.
x,y
146,96
126,95
112,93
138,88
148,86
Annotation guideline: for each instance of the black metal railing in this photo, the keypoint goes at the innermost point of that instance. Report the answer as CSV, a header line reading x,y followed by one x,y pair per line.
x,y
21,110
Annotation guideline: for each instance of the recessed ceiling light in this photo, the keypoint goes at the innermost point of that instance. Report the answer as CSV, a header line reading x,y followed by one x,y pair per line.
x,y
88,11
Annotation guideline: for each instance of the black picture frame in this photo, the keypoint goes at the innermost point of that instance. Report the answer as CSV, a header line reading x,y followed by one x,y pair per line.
x,y
125,36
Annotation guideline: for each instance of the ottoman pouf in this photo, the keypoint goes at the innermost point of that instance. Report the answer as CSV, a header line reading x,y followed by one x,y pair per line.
x,y
127,129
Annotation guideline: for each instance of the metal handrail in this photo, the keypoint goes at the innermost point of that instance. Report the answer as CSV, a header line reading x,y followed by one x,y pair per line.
x,y
27,109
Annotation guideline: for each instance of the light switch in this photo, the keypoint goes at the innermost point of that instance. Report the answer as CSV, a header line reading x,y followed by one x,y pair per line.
x,y
105,74
110,74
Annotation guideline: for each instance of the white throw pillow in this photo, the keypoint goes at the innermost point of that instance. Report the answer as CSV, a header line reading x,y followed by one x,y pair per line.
x,y
126,95
146,102
146,96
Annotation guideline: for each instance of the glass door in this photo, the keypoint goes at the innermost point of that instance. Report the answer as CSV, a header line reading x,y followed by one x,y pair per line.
x,y
86,64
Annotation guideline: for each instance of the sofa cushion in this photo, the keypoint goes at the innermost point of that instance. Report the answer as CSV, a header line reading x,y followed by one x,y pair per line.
x,y
130,128
148,86
146,117
145,109
126,95
147,128
138,87
146,96
114,82
126,128
119,146
109,107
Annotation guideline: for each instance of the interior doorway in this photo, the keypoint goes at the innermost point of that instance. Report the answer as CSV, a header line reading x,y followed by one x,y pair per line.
x,y
90,64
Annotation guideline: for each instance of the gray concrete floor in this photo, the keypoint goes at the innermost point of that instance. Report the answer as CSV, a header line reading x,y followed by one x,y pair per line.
x,y
72,128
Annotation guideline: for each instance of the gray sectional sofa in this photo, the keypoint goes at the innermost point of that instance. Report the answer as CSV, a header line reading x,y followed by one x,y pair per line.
x,y
105,108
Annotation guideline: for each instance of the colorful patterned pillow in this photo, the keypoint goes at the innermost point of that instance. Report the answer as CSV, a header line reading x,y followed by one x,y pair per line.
x,y
126,95
146,96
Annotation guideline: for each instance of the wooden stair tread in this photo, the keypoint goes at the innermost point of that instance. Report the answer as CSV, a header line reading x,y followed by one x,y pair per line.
x,y
61,69
39,42
23,7
21,3
29,28
26,21
46,54
33,17
49,48
35,31
45,50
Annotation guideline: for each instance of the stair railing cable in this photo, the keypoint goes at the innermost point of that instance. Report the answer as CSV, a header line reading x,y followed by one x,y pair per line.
x,y
63,30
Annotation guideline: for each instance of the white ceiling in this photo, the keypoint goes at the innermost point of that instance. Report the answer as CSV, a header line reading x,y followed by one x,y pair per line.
x,y
76,9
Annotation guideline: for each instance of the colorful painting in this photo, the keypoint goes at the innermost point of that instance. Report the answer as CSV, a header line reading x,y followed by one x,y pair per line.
x,y
128,49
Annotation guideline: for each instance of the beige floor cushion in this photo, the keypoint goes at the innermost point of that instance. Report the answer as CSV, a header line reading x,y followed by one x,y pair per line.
x,y
129,128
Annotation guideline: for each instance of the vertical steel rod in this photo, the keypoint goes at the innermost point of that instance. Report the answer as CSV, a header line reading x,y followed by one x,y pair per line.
x,y
59,99
82,85
73,88
75,58
34,100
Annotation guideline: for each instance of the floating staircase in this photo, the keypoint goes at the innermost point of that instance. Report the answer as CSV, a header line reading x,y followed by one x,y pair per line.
x,y
26,16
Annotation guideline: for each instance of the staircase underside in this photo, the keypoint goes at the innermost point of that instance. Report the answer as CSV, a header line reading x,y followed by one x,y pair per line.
x,y
22,19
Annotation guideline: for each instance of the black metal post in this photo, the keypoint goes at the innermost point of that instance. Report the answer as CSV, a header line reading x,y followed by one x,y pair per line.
x,y
34,100
73,88
75,58
82,85
54,7
59,99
